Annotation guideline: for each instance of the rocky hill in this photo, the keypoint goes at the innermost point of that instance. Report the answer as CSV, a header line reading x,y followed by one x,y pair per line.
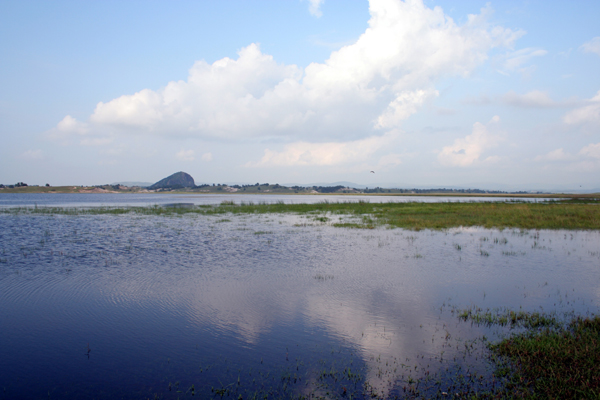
x,y
176,181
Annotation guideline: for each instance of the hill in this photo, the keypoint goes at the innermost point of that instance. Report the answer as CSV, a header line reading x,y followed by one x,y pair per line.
x,y
176,181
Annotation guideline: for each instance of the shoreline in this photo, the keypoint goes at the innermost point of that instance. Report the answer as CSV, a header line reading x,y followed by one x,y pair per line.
x,y
134,190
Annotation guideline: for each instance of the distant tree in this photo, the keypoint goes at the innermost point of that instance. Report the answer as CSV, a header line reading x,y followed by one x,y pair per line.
x,y
47,185
328,189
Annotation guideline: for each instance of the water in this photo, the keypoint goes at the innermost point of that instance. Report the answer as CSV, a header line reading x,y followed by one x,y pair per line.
x,y
141,306
146,199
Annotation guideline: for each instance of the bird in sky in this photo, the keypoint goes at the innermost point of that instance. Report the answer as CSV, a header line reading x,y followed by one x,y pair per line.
x,y
372,172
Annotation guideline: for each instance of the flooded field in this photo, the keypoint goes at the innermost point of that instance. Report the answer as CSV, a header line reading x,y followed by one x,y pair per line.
x,y
247,306
147,199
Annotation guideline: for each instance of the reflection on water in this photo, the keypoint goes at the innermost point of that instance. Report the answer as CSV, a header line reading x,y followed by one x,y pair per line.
x,y
268,301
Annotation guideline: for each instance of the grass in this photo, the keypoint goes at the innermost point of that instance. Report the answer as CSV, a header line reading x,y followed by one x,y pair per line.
x,y
411,215
563,364
551,359
506,317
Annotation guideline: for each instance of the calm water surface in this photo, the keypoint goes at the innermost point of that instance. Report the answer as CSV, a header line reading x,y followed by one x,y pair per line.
x,y
147,306
146,199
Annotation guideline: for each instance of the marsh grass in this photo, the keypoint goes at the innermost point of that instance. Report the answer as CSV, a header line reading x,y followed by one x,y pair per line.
x,y
548,363
553,358
507,317
415,215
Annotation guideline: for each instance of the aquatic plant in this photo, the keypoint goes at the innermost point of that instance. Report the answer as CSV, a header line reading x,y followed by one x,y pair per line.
x,y
548,363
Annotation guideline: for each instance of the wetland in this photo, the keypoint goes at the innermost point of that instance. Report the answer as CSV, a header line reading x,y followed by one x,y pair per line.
x,y
241,299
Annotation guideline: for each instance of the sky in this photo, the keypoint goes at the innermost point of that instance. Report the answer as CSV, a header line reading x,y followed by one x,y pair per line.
x,y
494,95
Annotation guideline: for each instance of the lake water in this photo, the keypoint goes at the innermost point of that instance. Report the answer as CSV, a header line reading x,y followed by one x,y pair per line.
x,y
146,199
139,307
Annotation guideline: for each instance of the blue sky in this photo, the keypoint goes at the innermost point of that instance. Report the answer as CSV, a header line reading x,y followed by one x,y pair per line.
x,y
430,93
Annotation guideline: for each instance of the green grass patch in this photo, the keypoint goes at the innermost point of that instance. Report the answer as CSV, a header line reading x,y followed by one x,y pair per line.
x,y
563,364
550,359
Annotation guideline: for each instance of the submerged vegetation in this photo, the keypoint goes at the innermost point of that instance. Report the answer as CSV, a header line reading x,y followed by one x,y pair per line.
x,y
549,360
566,214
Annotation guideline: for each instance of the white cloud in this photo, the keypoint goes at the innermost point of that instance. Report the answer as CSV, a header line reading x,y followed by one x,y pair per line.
x,y
593,46
32,155
468,150
518,60
586,160
332,153
555,155
314,7
96,141
388,160
403,106
374,83
492,159
207,157
588,116
185,155
533,99
69,126
591,150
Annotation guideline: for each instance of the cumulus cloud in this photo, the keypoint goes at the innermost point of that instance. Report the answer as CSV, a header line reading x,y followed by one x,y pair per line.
x,y
402,107
207,157
331,153
314,7
69,126
587,116
185,155
593,46
467,151
373,84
